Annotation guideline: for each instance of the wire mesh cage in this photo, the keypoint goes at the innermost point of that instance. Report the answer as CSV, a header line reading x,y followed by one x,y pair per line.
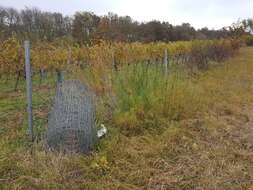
x,y
71,121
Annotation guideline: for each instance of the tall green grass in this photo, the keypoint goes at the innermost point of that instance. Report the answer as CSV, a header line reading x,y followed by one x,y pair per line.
x,y
144,97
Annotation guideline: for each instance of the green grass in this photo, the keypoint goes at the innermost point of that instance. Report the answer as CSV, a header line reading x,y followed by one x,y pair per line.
x,y
165,132
147,98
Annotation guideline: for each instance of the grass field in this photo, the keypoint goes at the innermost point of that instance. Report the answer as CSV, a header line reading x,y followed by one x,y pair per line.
x,y
178,132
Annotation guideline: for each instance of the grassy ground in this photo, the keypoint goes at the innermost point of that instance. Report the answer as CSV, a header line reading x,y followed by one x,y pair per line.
x,y
194,134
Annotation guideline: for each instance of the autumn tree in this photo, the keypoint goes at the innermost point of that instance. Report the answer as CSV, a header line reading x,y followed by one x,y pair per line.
x,y
84,25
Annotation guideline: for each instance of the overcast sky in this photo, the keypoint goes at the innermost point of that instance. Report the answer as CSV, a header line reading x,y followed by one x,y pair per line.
x,y
199,13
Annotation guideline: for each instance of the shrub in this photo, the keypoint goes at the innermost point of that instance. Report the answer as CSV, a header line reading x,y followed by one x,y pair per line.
x,y
249,40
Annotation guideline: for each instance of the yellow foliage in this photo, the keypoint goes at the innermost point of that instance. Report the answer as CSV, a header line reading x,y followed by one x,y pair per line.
x,y
100,56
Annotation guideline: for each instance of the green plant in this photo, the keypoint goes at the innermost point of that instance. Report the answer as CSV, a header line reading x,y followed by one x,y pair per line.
x,y
146,97
249,40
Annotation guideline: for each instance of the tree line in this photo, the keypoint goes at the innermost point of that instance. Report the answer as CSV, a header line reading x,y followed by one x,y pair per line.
x,y
87,27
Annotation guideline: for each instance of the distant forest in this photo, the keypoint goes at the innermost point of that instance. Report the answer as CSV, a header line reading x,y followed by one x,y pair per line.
x,y
86,27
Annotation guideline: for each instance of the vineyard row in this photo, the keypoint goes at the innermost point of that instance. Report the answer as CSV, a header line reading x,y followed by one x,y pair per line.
x,y
52,57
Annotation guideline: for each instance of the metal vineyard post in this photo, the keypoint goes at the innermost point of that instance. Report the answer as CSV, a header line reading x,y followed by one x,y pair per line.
x,y
165,61
28,88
